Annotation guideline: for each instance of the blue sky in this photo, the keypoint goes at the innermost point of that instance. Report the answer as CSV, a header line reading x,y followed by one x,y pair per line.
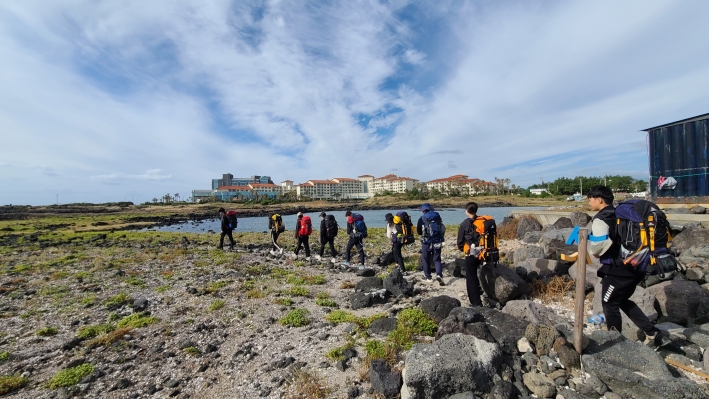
x,y
108,101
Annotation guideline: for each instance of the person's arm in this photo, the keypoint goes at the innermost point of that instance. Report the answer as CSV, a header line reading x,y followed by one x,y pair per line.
x,y
270,223
460,241
599,229
297,228
419,226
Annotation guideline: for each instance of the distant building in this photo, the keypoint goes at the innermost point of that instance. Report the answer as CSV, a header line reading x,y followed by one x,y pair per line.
x,y
337,188
391,183
679,150
460,183
229,180
538,191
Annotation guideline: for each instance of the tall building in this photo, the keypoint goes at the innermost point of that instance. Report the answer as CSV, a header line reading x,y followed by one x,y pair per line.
x,y
229,180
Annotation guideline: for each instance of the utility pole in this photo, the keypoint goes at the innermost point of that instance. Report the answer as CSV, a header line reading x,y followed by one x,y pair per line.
x,y
581,182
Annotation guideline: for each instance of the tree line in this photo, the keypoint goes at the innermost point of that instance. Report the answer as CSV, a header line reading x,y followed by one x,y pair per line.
x,y
570,186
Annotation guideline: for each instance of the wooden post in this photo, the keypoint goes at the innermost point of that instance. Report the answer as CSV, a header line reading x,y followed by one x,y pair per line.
x,y
580,290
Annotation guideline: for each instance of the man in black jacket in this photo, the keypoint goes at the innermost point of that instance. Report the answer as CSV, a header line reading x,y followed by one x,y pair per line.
x,y
226,230
618,280
468,239
326,237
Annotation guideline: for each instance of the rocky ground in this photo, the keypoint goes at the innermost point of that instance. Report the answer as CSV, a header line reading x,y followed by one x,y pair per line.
x,y
133,315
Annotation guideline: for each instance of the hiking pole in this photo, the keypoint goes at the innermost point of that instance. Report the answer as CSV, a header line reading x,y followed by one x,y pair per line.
x,y
580,290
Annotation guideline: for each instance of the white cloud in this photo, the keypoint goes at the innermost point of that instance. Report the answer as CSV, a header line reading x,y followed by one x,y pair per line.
x,y
103,92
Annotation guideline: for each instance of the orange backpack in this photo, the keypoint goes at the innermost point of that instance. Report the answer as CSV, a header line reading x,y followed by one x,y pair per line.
x,y
487,231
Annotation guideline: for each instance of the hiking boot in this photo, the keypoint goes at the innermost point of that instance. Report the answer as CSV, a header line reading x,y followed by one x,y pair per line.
x,y
346,264
307,258
439,279
361,267
220,247
318,257
427,280
657,340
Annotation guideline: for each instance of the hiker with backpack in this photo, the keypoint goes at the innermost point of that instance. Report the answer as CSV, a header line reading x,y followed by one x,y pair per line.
x,y
276,227
328,232
400,231
432,231
357,230
228,223
618,276
477,238
303,229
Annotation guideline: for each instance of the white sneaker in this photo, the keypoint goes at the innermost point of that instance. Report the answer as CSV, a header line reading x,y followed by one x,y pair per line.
x,y
427,280
307,258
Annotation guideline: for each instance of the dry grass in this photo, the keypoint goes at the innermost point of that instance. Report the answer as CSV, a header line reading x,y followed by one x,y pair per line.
x,y
307,385
347,284
508,231
109,338
555,290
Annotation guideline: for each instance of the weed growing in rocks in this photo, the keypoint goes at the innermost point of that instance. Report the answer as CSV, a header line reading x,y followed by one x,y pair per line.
x,y
336,353
4,356
323,299
137,320
192,351
69,377
307,385
285,301
340,316
9,383
347,285
214,287
47,332
109,338
216,305
554,290
296,318
117,301
299,291
255,293
163,288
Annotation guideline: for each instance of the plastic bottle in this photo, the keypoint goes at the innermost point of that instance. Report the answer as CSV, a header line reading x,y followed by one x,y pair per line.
x,y
597,319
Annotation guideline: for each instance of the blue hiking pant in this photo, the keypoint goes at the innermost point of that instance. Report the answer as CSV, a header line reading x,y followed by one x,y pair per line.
x,y
354,242
428,254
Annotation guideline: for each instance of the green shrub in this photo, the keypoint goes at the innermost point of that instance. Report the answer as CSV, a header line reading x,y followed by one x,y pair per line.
x,y
326,302
69,377
417,321
340,316
375,349
92,331
137,320
296,318
4,356
255,293
9,383
47,332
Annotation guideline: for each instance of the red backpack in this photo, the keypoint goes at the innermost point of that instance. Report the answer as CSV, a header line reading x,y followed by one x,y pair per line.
x,y
306,227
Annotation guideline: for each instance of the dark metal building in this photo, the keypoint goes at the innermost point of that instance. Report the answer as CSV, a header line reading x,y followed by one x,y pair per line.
x,y
680,150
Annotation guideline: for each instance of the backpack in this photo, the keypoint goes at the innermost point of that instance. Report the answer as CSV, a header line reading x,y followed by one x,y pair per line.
x,y
278,225
231,216
486,228
359,228
404,228
643,232
306,227
331,226
433,231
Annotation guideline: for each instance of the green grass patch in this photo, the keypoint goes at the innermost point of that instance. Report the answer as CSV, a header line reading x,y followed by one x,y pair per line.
x,y
9,383
214,287
341,316
216,305
285,301
136,281
375,349
88,301
417,321
299,291
4,356
255,293
69,377
326,302
95,330
163,288
278,272
295,318
47,332
192,351
137,320
117,300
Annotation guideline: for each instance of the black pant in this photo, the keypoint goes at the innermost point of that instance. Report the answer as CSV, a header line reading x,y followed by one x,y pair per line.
x,y
616,292
354,242
328,240
274,239
398,257
221,239
472,282
303,241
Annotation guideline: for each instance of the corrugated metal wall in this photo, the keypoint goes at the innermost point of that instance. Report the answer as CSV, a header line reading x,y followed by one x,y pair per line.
x,y
680,151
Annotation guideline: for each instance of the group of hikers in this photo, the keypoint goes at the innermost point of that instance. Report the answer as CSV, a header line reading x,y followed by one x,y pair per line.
x,y
628,250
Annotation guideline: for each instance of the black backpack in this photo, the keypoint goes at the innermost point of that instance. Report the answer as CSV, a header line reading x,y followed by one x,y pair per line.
x,y
231,216
643,233
331,226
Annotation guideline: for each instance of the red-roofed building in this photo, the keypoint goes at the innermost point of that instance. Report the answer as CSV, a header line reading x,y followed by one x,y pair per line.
x,y
460,183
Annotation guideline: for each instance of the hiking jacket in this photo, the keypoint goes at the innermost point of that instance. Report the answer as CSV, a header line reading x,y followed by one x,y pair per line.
x,y
611,264
391,230
323,230
225,224
467,234
271,224
297,227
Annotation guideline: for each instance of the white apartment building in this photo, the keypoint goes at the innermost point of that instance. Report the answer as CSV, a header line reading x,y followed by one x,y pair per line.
x,y
462,183
391,183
